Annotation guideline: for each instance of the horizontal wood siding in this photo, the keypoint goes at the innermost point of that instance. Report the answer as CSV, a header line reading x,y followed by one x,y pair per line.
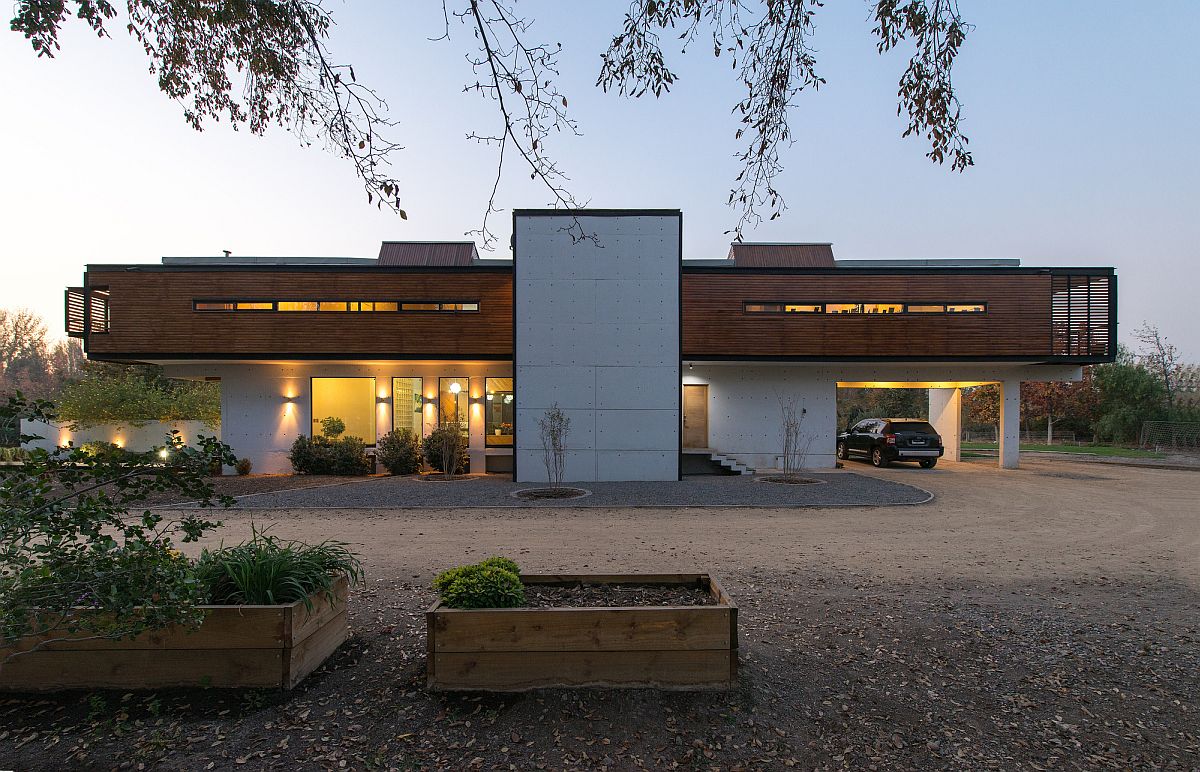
x,y
1017,322
680,647
151,313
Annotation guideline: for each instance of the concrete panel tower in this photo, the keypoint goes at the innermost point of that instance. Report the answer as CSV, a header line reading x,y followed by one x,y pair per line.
x,y
596,324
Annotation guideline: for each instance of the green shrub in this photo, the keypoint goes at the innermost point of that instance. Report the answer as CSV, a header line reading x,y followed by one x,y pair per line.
x,y
100,449
13,454
399,452
267,570
332,427
494,583
437,440
322,455
244,466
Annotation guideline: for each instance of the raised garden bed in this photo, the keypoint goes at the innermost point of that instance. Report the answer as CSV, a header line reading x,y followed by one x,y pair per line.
x,y
235,646
688,646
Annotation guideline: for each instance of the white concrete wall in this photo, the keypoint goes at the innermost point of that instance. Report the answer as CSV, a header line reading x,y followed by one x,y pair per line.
x,y
597,332
745,411
945,414
136,438
260,422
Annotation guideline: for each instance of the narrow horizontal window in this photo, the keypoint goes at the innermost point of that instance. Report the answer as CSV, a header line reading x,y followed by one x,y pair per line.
x,y
342,306
784,307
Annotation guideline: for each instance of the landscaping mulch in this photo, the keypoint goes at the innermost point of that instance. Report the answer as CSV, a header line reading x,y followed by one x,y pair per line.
x,y
601,595
536,494
835,673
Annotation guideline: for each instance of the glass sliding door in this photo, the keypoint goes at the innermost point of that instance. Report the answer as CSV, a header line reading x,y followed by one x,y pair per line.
x,y
350,399
406,405
498,411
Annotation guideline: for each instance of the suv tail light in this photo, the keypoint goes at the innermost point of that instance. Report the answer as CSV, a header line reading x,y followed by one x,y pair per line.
x,y
890,439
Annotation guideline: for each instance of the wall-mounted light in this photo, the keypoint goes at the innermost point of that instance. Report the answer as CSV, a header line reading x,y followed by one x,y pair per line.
x,y
691,365
382,400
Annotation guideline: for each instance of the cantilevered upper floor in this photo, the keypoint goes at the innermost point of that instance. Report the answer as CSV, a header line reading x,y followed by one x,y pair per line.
x,y
440,301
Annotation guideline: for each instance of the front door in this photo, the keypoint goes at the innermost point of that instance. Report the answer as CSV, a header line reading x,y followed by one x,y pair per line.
x,y
695,416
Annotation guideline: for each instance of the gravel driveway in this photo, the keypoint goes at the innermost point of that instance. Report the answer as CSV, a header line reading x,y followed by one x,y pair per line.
x,y
1042,618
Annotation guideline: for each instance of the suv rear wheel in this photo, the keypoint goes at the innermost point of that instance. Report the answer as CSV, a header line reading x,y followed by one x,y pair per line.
x,y
877,458
928,463
841,451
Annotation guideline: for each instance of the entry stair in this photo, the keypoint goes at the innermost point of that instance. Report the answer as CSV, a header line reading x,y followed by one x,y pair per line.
x,y
720,463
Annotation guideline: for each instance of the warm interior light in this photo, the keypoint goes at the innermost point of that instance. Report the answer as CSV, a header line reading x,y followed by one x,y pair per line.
x,y
455,387
911,384
490,396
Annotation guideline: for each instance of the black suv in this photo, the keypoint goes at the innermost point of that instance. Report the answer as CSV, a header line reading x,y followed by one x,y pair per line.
x,y
884,440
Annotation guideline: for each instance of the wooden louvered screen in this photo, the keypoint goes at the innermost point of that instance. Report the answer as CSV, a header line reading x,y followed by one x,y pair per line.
x,y
98,311
1082,309
76,306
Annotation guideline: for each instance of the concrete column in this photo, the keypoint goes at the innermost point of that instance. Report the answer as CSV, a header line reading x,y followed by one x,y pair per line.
x,y
1010,424
945,413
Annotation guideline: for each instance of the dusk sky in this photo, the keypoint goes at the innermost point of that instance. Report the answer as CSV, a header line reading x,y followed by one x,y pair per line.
x,y
1083,119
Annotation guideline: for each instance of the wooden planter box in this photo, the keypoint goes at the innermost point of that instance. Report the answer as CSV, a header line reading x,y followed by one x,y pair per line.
x,y
515,649
235,646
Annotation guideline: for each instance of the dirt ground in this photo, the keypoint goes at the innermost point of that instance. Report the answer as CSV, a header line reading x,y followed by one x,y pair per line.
x,y
1043,617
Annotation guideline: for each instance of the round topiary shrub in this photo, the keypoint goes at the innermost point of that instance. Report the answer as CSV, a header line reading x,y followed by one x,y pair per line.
x,y
399,452
494,583
443,439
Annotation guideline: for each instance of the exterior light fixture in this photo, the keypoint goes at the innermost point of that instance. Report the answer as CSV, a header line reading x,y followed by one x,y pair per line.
x,y
163,453
490,396
455,387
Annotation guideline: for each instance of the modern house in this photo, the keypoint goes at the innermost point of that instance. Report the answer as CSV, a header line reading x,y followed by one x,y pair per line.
x,y
654,359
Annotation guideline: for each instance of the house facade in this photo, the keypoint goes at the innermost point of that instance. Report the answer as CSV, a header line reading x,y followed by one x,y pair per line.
x,y
657,361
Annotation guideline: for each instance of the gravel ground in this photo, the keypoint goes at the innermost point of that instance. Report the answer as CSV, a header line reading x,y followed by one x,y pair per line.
x,y
1031,619
836,489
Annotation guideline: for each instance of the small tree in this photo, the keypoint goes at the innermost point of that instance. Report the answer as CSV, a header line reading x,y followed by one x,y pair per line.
x,y
446,448
795,443
553,428
68,539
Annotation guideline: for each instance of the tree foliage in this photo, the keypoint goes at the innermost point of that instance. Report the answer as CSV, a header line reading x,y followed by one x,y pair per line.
x,y
258,64
68,539
29,362
135,395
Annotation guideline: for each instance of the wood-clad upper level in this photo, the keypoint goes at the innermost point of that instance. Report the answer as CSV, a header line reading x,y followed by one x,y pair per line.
x,y
157,312
273,312
892,314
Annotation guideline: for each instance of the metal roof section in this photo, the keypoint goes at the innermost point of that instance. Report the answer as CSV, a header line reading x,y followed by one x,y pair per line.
x,y
766,254
428,253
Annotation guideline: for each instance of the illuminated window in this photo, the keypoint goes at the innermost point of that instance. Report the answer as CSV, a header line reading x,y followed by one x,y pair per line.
x,y
966,308
213,305
763,308
350,399
460,306
420,306
332,305
882,308
297,305
378,306
406,405
843,308
801,308
255,305
926,309
454,399
499,411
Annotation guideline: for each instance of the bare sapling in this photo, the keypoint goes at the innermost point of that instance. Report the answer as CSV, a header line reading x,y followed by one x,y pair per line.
x,y
796,443
553,428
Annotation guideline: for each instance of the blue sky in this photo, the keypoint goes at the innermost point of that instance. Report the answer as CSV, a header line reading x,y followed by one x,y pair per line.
x,y
1083,118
